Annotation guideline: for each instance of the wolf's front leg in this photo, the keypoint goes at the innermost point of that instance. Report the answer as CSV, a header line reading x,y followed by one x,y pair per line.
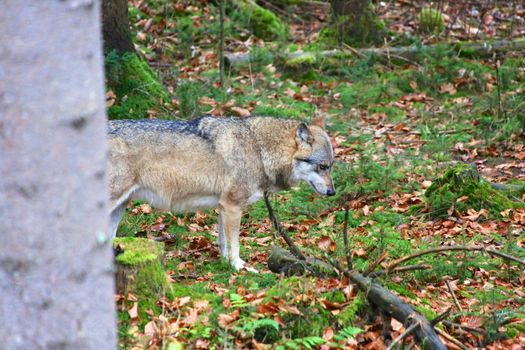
x,y
231,223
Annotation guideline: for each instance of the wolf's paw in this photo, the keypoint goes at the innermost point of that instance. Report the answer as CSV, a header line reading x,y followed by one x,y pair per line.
x,y
240,264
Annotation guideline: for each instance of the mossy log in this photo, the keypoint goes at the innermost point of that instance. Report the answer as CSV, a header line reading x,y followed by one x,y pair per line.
x,y
282,261
412,53
139,268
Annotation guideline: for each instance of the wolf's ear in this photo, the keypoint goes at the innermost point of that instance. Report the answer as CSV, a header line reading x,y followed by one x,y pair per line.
x,y
319,120
303,134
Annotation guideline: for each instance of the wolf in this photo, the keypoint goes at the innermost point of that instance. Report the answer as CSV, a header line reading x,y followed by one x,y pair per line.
x,y
225,163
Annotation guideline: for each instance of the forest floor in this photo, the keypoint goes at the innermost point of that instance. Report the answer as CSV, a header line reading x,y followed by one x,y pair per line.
x,y
396,128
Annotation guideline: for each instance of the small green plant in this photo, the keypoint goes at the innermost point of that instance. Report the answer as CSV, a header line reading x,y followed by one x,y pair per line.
x,y
188,94
347,333
237,301
302,343
431,21
461,188
265,330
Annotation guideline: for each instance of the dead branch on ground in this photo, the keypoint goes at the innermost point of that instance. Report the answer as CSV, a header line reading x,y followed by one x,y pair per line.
x,y
381,297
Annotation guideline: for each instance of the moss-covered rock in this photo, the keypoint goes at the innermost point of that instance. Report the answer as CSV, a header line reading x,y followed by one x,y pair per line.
x,y
301,67
140,270
264,23
136,87
431,21
462,188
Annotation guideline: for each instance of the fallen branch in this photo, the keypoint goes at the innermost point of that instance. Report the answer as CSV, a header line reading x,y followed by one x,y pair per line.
x,y
402,335
441,317
451,339
378,261
401,269
401,311
399,261
456,301
406,53
385,300
506,187
453,325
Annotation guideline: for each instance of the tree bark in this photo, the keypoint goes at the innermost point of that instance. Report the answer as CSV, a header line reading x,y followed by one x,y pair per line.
x,y
56,271
115,26
354,8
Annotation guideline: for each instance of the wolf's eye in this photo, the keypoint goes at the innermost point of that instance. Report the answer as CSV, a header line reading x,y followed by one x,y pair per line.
x,y
323,167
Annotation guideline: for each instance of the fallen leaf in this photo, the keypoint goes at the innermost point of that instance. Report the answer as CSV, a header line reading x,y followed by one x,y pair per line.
x,y
225,320
448,88
241,112
134,311
326,244
395,325
328,334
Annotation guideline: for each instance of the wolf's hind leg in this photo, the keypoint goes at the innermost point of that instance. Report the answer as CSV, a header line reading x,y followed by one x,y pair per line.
x,y
118,207
115,217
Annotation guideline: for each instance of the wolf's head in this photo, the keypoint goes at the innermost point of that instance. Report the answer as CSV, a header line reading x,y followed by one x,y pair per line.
x,y
314,157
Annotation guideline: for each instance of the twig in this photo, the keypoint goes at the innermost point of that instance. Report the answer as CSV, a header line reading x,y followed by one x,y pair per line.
x,y
395,263
403,335
498,89
451,339
345,239
449,286
221,43
401,269
441,317
378,261
293,248
467,328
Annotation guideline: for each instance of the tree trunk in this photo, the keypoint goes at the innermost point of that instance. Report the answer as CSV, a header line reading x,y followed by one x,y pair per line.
x,y
115,26
56,271
353,8
355,22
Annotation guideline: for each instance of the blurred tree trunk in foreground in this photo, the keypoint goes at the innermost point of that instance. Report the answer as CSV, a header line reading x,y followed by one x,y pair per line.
x,y
356,23
56,274
115,18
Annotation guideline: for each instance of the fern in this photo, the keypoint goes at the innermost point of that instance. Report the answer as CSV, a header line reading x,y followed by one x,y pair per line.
x,y
264,322
237,301
304,343
346,333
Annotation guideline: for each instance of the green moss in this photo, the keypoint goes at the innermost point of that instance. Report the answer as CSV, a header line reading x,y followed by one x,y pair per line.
x,y
306,60
135,85
264,23
301,68
348,314
137,250
431,21
463,182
